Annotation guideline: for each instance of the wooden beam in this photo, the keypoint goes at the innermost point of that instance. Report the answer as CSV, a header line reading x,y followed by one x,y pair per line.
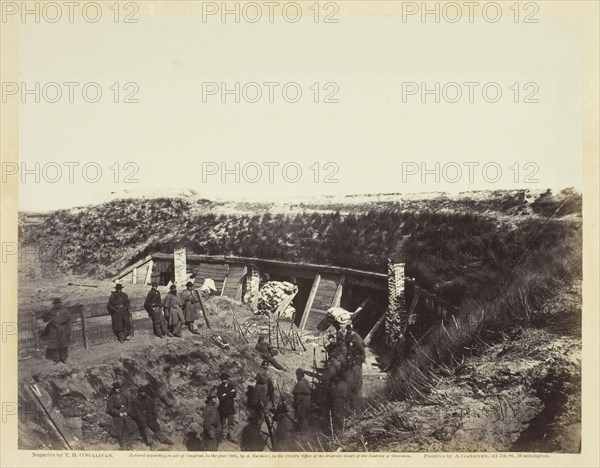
x,y
309,302
223,286
360,308
284,304
148,278
202,308
134,273
238,291
135,265
364,282
337,297
371,334
292,266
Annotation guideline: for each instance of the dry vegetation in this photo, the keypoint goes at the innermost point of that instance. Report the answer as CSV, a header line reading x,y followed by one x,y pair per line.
x,y
502,374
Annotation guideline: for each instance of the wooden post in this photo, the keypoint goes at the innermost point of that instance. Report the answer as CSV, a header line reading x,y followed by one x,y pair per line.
x,y
134,274
223,287
337,297
309,302
36,338
84,328
203,308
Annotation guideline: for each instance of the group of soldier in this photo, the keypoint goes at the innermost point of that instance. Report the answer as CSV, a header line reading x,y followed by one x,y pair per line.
x,y
341,379
282,428
130,413
169,314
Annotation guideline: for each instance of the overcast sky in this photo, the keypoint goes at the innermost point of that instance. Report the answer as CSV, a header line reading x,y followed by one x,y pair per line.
x,y
373,140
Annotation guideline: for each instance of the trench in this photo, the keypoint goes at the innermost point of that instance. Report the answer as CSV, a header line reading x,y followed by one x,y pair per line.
x,y
177,376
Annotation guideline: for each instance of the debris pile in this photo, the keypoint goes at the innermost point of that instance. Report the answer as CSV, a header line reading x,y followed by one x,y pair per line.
x,y
273,294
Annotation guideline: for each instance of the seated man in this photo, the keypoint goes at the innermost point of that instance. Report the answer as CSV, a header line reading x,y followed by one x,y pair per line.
x,y
267,352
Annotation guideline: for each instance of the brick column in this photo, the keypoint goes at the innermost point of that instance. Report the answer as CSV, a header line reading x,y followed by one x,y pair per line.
x,y
395,320
180,266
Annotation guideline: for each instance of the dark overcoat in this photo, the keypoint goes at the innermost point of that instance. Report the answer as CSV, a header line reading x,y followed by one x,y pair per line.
x,y
58,330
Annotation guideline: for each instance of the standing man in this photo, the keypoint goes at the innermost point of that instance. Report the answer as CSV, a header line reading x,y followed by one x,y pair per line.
x,y
355,347
173,313
252,440
284,433
265,390
144,414
118,306
301,394
58,332
190,309
211,423
119,407
339,393
226,393
331,345
153,305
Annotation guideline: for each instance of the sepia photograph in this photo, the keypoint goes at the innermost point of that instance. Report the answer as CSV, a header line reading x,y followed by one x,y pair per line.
x,y
329,233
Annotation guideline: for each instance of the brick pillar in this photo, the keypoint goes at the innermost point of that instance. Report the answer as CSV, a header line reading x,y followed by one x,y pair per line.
x,y
251,284
180,266
395,320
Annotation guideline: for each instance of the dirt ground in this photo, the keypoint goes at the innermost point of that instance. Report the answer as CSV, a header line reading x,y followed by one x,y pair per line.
x,y
180,370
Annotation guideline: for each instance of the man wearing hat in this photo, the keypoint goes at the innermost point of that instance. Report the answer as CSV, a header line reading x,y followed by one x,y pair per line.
x,y
211,423
57,332
119,407
153,305
144,414
118,306
331,344
226,394
190,309
173,312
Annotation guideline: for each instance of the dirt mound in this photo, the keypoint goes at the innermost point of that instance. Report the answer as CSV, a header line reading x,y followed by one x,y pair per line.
x,y
178,372
519,395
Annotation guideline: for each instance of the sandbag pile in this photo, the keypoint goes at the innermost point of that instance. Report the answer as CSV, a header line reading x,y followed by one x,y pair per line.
x,y
272,294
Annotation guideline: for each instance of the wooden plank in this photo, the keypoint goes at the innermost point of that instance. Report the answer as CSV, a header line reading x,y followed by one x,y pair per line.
x,y
284,304
309,302
338,293
238,292
326,291
234,278
55,417
217,273
371,333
